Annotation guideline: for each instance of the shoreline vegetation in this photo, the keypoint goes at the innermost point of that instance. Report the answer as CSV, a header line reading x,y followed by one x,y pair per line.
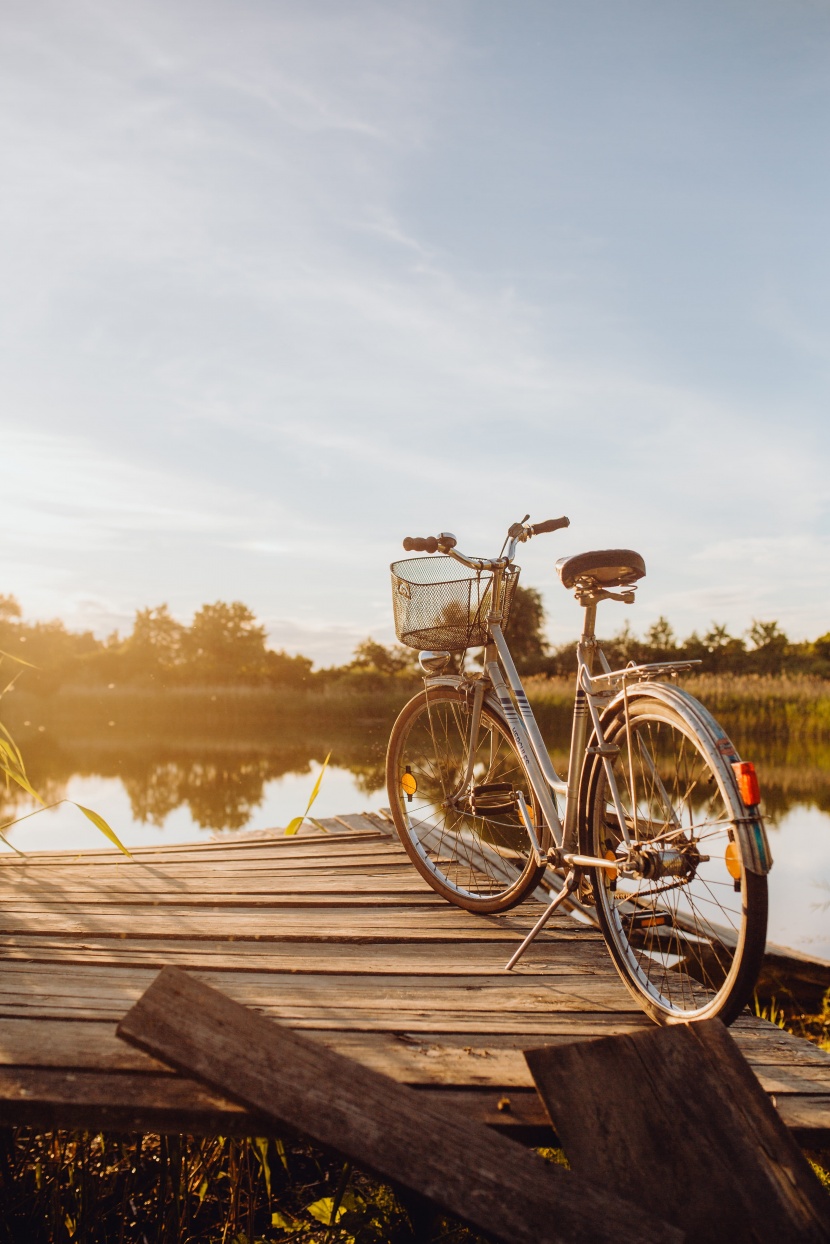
x,y
224,646
207,714
764,706
219,671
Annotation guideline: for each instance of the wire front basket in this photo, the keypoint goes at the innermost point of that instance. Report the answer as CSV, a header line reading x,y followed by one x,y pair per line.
x,y
439,604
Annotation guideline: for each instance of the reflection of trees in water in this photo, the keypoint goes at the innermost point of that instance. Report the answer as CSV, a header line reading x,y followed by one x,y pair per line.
x,y
220,772
221,783
220,792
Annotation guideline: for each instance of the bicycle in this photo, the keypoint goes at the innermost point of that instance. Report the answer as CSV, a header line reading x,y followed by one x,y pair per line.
x,y
662,835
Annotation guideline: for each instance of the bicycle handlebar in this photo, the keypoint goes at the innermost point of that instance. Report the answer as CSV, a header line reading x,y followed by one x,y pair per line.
x,y
446,542
421,544
550,524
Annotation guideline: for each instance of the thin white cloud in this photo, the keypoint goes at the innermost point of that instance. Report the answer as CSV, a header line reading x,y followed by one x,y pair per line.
x,y
284,283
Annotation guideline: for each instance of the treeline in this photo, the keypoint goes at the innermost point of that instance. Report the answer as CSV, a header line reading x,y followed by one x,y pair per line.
x,y
224,645
764,649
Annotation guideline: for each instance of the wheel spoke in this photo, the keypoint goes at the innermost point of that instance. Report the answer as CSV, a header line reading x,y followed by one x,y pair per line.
x,y
679,939
477,857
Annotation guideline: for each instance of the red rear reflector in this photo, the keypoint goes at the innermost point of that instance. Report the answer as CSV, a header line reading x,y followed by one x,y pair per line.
x,y
747,778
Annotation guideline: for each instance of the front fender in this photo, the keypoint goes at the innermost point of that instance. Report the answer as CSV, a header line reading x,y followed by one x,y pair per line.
x,y
491,700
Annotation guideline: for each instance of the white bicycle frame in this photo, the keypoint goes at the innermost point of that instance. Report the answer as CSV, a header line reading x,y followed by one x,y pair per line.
x,y
556,840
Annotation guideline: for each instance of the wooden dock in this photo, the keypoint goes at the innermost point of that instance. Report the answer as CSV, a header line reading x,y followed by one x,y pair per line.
x,y
335,934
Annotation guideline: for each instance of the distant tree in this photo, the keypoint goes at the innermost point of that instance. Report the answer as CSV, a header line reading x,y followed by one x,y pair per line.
x,y
155,648
395,659
821,646
769,647
661,640
722,651
283,670
224,644
622,649
525,633
9,609
717,637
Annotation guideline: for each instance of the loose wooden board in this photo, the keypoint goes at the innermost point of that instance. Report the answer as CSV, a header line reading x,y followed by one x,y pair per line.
x,y
675,1120
466,1170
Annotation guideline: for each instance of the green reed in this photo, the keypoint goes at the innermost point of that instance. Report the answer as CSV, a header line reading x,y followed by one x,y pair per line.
x,y
64,1187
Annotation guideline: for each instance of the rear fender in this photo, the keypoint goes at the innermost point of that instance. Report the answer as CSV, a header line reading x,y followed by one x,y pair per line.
x,y
723,754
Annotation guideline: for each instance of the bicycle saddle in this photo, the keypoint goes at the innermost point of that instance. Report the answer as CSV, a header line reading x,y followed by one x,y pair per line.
x,y
610,567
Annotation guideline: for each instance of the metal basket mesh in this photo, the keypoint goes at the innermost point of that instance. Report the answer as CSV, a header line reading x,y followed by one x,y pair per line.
x,y
440,604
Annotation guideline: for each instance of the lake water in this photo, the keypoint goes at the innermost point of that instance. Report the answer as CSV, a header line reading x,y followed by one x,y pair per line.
x,y
188,788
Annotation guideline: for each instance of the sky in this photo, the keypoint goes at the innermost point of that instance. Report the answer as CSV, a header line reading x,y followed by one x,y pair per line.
x,y
283,281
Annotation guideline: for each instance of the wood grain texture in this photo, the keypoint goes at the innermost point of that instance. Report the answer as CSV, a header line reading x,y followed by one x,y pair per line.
x,y
419,995
675,1120
466,1170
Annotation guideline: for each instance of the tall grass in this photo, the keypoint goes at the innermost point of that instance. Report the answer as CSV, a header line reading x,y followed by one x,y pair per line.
x,y
773,706
64,1187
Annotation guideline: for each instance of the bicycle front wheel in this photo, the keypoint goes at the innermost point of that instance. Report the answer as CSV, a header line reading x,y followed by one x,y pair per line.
x,y
459,823
689,939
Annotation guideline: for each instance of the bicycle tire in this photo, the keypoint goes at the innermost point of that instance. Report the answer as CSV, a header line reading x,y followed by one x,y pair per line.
x,y
688,948
477,856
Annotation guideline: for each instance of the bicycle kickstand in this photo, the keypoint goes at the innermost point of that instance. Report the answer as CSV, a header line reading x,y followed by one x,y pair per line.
x,y
571,882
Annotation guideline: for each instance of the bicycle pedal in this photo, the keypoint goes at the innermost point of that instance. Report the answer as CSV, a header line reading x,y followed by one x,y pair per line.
x,y
489,796
586,892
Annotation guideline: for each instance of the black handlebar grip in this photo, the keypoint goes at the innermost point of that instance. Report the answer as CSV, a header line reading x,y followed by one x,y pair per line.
x,y
550,524
421,544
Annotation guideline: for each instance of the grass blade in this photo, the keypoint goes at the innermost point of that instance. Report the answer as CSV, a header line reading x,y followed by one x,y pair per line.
x,y
293,826
99,823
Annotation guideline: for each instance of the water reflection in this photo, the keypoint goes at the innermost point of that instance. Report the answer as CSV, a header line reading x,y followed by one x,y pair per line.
x,y
221,784
221,780
188,778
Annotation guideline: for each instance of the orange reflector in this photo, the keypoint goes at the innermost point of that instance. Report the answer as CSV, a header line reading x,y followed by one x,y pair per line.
x,y
744,771
732,856
610,873
650,920
409,784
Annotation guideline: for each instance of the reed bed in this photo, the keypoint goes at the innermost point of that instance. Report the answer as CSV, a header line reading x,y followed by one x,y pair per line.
x,y
777,706
204,709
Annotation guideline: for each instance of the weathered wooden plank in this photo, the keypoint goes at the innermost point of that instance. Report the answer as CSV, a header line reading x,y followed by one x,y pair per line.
x,y
102,991
49,1099
383,1126
441,923
568,954
273,900
164,1102
807,1119
320,846
647,1114
397,880
348,854
421,1042
429,1060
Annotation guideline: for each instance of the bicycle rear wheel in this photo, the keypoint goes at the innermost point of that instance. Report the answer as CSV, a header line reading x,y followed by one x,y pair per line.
x,y
466,839
688,943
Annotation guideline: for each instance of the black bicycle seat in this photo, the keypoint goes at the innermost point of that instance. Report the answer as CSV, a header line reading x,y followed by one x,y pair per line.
x,y
610,567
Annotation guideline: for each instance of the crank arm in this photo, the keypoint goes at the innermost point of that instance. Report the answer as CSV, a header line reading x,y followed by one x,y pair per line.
x,y
591,861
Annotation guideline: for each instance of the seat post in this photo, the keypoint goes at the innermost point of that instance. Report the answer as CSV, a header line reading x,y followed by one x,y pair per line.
x,y
589,623
579,729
